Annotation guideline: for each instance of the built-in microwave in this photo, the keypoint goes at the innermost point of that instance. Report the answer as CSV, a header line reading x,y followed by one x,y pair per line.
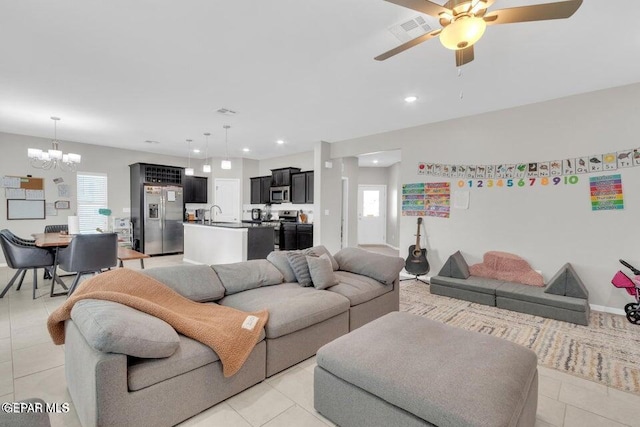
x,y
280,194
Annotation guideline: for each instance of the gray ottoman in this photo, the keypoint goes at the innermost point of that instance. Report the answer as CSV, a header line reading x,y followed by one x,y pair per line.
x,y
405,370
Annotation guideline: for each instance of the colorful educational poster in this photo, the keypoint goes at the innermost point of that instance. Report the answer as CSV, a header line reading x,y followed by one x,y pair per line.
x,y
609,162
595,163
606,192
437,199
413,199
555,168
426,199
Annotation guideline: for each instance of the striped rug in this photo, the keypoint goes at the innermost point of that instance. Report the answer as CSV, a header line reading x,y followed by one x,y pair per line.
x,y
607,351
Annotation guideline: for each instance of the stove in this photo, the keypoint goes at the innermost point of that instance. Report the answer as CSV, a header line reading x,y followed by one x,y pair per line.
x,y
283,216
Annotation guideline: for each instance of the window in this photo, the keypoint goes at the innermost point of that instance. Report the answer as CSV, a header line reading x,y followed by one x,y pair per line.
x,y
92,196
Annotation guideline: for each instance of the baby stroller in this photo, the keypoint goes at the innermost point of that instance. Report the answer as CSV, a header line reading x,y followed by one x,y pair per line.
x,y
632,286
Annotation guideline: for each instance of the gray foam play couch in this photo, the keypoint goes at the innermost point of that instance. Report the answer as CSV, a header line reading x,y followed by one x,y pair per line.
x,y
564,298
124,367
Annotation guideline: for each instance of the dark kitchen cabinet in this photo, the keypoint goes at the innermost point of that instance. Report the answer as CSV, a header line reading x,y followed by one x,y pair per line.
x,y
282,177
260,190
304,236
302,187
195,189
295,236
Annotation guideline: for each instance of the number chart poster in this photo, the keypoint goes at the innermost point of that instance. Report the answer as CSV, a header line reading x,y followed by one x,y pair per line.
x,y
606,192
426,199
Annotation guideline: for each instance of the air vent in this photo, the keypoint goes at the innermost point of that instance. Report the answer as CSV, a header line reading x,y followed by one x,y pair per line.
x,y
411,29
226,111
151,141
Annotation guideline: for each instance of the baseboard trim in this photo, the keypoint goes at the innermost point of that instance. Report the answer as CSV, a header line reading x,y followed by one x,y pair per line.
x,y
3,264
189,261
393,247
605,309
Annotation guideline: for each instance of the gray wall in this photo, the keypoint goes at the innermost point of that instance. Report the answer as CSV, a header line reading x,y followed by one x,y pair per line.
x,y
393,205
548,226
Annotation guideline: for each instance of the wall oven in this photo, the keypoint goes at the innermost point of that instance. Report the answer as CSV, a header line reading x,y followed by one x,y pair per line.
x,y
280,194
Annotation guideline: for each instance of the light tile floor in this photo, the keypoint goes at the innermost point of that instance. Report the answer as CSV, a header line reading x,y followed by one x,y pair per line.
x,y
31,366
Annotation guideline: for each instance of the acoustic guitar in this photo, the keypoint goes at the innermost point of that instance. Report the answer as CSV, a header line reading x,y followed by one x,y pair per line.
x,y
416,262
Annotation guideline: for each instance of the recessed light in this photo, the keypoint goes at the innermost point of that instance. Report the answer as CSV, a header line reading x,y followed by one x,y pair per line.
x,y
246,150
150,141
375,162
280,142
411,99
195,150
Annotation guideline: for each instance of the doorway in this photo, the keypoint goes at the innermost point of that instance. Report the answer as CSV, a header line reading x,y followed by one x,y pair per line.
x,y
227,196
372,217
344,223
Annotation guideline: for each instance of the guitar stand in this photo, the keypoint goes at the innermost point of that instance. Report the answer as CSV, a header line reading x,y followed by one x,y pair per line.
x,y
416,277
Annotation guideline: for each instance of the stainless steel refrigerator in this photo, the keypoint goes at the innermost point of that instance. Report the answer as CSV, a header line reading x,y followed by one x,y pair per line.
x,y
163,216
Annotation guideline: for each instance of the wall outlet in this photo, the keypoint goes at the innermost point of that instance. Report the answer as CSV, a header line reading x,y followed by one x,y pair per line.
x,y
126,210
326,212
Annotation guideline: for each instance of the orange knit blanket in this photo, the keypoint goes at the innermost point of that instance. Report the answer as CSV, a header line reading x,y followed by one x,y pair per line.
x,y
231,333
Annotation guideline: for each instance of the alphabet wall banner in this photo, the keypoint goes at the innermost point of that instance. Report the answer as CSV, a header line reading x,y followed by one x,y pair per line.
x,y
606,192
567,167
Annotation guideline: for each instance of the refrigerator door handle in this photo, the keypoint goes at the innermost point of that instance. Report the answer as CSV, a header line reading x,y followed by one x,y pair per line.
x,y
162,211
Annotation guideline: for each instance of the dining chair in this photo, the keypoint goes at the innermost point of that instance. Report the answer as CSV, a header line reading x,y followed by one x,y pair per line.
x,y
22,256
89,253
56,228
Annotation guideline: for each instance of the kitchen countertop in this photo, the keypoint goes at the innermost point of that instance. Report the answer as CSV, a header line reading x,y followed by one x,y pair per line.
x,y
228,224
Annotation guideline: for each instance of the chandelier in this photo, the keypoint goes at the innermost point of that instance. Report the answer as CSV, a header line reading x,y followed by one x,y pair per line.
x,y
53,158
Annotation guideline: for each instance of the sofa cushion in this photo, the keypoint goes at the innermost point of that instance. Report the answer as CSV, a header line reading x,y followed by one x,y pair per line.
x,y
456,267
110,327
196,282
383,268
300,267
473,283
190,355
567,282
537,295
291,307
321,272
280,261
241,276
358,288
321,250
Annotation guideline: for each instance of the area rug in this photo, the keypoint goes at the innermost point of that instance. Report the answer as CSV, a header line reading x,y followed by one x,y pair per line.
x,y
607,351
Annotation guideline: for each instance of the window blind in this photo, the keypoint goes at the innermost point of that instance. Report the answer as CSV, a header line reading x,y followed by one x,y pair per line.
x,y
92,196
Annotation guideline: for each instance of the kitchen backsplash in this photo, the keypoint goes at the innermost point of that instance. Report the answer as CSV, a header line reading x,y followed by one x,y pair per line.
x,y
306,208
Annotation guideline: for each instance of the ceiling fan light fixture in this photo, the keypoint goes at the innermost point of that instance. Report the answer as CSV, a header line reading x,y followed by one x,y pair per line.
x,y
465,31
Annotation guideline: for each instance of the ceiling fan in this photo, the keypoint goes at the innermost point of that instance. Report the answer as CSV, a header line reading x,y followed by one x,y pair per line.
x,y
464,22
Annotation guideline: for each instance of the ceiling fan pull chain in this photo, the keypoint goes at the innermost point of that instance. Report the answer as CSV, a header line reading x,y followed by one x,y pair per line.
x,y
460,76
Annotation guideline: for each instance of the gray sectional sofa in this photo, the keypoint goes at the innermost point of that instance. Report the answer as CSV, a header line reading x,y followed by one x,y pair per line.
x,y
565,297
124,367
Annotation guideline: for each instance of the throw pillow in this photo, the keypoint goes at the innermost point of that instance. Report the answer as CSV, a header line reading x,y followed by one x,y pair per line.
x,y
455,267
245,275
320,250
110,327
300,267
321,272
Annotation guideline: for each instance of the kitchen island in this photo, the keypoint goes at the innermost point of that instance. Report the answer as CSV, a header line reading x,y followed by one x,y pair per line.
x,y
226,242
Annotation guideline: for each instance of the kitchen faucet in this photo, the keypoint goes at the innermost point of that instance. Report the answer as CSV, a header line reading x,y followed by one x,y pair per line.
x,y
212,214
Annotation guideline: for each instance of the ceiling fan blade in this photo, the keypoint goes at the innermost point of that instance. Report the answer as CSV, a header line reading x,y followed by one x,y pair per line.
x,y
464,56
538,12
407,45
422,6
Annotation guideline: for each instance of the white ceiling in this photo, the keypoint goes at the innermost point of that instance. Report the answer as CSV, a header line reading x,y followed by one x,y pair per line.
x,y
121,72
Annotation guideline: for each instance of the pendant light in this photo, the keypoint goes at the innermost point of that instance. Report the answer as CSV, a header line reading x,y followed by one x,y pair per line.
x,y
226,164
206,168
189,170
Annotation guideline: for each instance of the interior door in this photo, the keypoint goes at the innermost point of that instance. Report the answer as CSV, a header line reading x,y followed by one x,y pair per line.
x,y
372,218
227,196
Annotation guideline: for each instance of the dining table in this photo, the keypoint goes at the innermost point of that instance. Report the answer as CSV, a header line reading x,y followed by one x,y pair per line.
x,y
55,241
